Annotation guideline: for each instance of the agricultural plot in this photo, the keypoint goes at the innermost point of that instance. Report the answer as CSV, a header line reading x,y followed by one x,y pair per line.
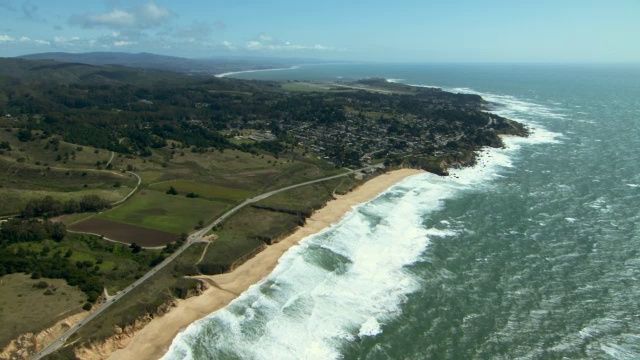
x,y
174,214
203,190
124,232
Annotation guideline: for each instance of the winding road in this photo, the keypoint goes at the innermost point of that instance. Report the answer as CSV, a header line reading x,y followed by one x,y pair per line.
x,y
193,238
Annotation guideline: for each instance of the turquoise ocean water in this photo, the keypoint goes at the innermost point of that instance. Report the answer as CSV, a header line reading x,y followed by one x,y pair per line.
x,y
532,254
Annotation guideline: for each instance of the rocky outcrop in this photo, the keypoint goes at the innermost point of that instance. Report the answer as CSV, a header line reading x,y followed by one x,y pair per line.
x,y
197,290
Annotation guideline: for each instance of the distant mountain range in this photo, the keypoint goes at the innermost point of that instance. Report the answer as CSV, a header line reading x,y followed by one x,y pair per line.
x,y
214,65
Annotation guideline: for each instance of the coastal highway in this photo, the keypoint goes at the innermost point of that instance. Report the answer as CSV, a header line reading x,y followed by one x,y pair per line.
x,y
193,238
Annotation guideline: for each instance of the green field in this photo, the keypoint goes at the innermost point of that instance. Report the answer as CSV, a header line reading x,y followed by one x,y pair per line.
x,y
311,197
207,191
14,200
306,87
251,227
171,213
25,308
52,167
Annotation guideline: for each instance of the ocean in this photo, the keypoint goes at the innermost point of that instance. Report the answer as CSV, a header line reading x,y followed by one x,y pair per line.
x,y
532,254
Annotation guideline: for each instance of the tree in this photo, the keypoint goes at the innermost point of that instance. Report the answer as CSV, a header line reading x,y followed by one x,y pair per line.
x,y
24,135
172,191
135,248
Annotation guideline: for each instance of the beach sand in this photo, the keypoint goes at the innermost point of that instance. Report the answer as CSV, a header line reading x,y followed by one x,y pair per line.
x,y
153,341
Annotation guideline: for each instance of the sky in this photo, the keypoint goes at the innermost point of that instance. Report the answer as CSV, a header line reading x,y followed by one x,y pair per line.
x,y
560,31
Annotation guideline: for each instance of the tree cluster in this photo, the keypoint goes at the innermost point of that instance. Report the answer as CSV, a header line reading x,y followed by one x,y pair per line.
x,y
48,206
19,230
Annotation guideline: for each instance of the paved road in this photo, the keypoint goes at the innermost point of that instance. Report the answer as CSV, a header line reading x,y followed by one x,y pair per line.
x,y
193,238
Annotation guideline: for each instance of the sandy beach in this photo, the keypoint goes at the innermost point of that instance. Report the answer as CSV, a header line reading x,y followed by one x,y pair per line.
x,y
154,339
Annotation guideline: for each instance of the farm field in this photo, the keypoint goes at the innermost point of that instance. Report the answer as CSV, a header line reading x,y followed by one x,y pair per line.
x,y
203,190
174,214
125,233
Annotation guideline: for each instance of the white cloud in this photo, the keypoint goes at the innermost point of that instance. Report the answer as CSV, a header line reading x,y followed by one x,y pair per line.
x,y
123,43
154,13
141,17
23,39
115,18
6,38
61,40
269,43
228,45
254,45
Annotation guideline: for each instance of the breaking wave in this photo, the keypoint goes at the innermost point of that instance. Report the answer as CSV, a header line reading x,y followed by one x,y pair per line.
x,y
345,283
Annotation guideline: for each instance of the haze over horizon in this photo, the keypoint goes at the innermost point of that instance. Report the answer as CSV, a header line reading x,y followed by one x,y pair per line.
x,y
407,31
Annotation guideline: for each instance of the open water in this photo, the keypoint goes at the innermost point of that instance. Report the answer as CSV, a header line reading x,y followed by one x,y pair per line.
x,y
532,254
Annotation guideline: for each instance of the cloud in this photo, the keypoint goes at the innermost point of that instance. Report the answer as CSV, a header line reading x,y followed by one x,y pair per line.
x,y
7,5
22,39
197,30
228,45
30,12
124,43
266,42
140,17
6,38
254,45
220,25
61,40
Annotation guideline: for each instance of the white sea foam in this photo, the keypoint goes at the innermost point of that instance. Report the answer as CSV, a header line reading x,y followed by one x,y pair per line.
x,y
348,281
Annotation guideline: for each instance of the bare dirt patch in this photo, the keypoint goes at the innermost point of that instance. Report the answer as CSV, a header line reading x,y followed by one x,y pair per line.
x,y
124,232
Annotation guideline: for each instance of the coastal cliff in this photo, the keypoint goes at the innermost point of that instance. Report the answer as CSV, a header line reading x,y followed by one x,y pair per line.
x,y
102,350
26,345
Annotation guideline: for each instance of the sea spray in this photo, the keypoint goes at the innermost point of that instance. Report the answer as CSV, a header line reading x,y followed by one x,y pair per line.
x,y
518,279
343,284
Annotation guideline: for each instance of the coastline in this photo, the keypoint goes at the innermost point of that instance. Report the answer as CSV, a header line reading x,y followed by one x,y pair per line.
x,y
153,341
252,71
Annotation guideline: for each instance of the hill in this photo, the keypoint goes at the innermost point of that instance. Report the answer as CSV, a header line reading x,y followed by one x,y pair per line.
x,y
169,63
